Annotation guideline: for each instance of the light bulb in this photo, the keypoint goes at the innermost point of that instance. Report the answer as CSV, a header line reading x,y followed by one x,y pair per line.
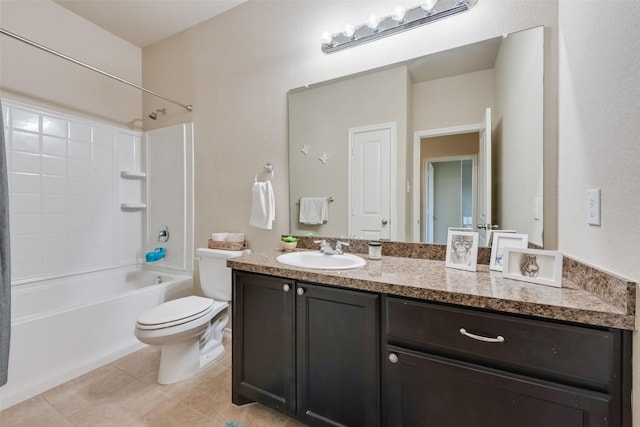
x,y
372,22
428,5
398,14
348,30
327,38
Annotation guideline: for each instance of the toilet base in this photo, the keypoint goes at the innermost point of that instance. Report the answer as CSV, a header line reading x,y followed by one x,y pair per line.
x,y
181,360
211,356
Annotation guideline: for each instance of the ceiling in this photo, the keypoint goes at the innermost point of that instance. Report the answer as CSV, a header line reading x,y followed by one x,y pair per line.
x,y
144,22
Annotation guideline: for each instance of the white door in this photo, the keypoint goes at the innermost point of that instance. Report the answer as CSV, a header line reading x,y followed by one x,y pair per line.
x,y
484,181
371,195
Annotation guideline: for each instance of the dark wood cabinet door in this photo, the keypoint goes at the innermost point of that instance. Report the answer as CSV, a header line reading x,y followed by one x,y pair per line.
x,y
424,390
263,341
337,356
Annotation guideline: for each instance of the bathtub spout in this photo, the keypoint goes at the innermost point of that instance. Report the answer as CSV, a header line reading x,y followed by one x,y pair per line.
x,y
155,255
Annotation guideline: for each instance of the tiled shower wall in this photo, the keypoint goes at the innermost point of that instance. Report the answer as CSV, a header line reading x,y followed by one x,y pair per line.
x,y
65,193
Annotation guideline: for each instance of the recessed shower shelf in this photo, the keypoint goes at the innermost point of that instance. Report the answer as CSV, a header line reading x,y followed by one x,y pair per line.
x,y
133,175
132,206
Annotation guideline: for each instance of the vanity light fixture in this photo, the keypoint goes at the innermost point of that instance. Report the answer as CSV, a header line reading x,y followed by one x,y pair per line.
x,y
400,20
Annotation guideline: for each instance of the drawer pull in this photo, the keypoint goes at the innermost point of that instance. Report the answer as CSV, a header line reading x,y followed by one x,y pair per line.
x,y
286,287
464,332
393,358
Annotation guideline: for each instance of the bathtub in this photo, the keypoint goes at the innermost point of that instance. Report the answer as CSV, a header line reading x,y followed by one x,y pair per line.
x,y
68,326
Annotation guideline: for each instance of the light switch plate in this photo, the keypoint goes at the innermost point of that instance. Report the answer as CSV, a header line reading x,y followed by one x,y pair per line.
x,y
593,207
536,208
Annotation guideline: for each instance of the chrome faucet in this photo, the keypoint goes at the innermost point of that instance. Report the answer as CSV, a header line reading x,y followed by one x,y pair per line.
x,y
325,247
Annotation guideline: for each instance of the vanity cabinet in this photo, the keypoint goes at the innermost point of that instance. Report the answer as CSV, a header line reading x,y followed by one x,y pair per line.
x,y
449,366
263,341
309,350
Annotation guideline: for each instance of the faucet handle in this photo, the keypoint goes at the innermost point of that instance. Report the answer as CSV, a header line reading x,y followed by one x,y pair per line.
x,y
339,246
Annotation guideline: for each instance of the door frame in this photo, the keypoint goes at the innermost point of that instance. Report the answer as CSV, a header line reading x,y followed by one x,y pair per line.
x,y
392,126
417,136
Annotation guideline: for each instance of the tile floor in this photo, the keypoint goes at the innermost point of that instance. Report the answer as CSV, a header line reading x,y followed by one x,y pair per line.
x,y
125,393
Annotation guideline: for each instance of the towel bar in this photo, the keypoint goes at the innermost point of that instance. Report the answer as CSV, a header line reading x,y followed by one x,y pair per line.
x,y
329,199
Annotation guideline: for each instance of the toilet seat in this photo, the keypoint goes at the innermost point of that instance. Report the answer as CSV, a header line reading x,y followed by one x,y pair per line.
x,y
176,312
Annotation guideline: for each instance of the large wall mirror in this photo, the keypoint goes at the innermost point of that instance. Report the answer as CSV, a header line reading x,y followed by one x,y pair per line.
x,y
408,151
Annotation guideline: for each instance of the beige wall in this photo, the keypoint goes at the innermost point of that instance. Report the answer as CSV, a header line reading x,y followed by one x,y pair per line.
x,y
452,101
451,145
321,118
518,126
32,75
598,112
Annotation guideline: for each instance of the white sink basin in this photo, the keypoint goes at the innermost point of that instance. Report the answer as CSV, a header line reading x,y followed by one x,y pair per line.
x,y
318,260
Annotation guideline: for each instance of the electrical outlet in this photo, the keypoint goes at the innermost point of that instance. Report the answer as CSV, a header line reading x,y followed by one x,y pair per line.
x,y
593,207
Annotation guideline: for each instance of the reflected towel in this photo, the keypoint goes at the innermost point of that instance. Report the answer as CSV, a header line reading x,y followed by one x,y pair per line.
x,y
263,205
314,210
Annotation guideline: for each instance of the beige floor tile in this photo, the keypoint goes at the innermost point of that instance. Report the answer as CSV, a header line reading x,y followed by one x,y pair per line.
x,y
126,394
261,416
104,414
98,386
141,362
34,412
174,414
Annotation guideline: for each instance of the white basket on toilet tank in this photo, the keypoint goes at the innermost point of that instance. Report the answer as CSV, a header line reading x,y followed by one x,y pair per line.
x,y
190,329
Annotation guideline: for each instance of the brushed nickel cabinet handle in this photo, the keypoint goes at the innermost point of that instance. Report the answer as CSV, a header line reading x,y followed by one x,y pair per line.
x,y
286,287
393,358
300,291
498,339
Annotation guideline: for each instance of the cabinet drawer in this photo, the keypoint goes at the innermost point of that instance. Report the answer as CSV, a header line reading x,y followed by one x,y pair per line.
x,y
578,355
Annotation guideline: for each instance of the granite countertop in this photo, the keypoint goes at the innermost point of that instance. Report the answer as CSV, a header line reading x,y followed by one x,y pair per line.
x,y
429,280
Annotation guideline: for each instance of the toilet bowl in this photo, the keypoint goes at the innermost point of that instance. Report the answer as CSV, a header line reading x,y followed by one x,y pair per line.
x,y
190,329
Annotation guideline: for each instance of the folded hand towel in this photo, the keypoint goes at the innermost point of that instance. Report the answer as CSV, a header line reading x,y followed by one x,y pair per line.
x,y
314,210
263,206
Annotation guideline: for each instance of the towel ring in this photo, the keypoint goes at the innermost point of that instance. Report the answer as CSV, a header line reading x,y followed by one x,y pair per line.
x,y
266,173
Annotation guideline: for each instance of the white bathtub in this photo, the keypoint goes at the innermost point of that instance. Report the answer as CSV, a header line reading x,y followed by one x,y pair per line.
x,y
65,327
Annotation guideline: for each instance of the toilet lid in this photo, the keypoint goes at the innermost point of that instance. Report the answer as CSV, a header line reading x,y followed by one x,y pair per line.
x,y
181,309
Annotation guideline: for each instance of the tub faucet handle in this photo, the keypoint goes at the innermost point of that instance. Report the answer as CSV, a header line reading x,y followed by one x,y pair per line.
x,y
163,234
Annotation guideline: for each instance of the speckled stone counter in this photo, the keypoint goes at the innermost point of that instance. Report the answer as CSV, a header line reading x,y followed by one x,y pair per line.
x,y
428,279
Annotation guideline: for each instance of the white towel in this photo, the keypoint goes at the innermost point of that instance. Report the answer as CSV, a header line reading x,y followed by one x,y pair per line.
x,y
263,205
314,210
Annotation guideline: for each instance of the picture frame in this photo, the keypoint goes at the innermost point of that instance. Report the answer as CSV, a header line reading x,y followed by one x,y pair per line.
x,y
533,265
491,233
501,241
462,250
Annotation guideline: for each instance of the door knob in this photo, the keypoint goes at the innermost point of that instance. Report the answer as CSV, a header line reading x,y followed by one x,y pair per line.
x,y
385,222
487,226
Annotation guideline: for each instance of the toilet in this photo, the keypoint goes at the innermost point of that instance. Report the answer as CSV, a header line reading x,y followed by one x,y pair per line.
x,y
190,329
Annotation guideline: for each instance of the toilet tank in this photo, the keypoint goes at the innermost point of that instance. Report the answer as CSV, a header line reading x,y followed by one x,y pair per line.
x,y
215,276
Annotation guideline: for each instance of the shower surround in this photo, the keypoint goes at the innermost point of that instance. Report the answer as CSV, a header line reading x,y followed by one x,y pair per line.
x,y
87,196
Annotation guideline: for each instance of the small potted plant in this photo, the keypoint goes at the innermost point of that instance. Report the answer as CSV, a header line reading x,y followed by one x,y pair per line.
x,y
288,243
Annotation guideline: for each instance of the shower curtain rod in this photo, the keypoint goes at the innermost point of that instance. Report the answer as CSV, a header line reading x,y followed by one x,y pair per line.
x,y
97,70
